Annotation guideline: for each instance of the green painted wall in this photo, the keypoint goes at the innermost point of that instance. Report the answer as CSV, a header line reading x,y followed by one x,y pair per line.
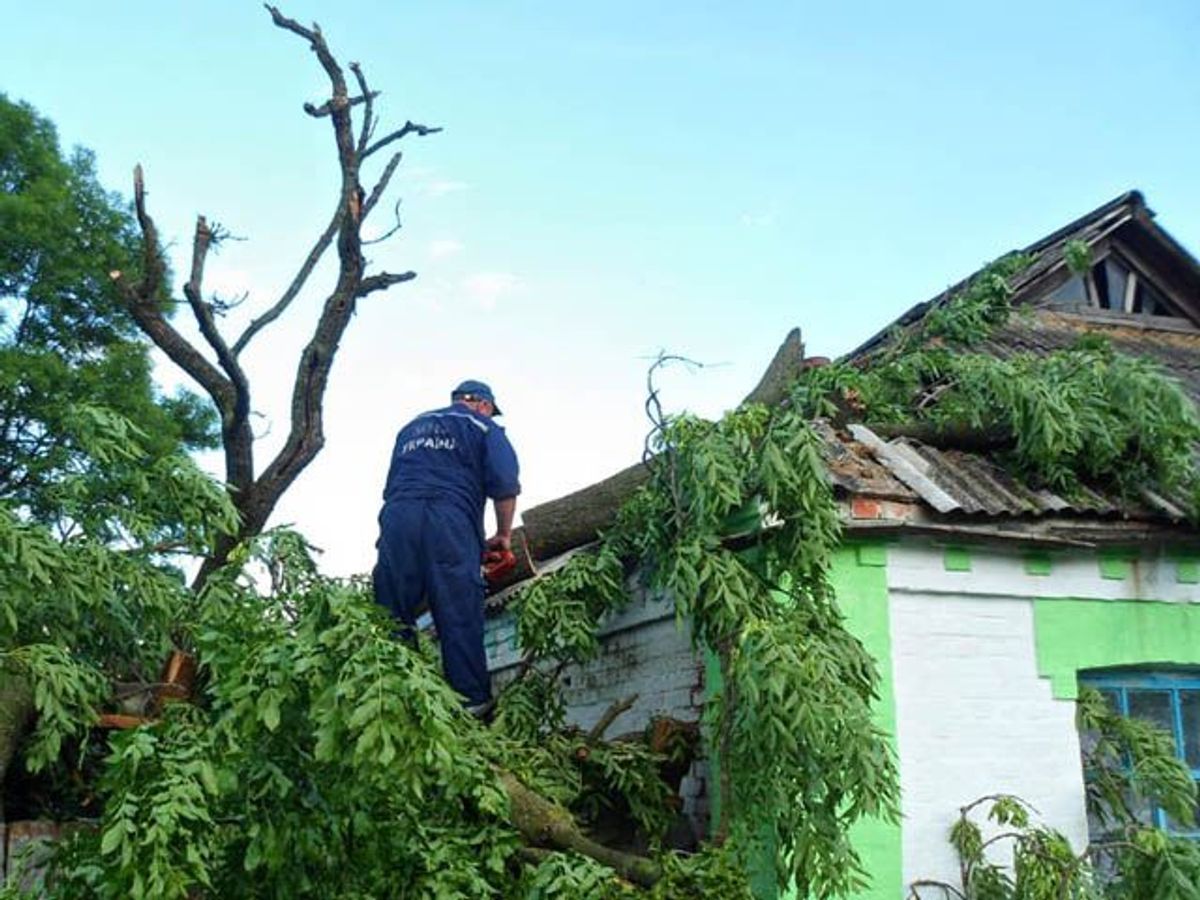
x,y
860,580
1073,635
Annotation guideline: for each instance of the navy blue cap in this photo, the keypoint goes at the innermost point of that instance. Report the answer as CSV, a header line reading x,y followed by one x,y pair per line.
x,y
475,390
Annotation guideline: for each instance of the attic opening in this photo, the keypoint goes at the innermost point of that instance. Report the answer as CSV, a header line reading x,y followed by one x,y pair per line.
x,y
1113,283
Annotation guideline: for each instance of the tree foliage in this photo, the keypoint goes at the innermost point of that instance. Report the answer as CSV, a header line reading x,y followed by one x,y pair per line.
x,y
323,757
94,483
799,755
68,350
1087,414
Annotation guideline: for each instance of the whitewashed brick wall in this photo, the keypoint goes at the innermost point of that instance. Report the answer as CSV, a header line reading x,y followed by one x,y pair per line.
x,y
974,718
645,652
973,715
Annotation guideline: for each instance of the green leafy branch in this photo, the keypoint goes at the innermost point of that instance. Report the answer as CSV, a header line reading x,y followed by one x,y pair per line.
x,y
1082,415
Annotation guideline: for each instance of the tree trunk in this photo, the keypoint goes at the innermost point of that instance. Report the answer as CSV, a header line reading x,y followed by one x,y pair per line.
x,y
950,437
574,520
786,366
16,712
544,823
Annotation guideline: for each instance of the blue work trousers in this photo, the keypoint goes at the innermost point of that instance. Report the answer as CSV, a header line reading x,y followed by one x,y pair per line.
x,y
429,554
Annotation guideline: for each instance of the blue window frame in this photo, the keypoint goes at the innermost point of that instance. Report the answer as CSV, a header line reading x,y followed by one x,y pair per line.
x,y
1169,699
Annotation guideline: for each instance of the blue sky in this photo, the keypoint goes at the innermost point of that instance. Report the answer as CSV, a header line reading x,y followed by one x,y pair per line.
x,y
616,179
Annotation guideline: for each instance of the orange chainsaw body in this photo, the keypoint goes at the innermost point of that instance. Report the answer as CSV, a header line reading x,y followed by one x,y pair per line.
x,y
497,564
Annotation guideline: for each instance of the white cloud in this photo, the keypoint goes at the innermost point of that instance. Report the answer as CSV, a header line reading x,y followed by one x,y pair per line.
x,y
487,288
429,182
441,186
440,249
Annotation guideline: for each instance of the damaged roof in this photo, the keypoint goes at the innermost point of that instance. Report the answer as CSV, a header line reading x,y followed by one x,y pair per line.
x,y
1125,220
896,481
960,481
964,483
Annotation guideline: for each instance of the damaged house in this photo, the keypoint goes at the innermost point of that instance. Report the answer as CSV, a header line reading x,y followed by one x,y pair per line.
x,y
986,603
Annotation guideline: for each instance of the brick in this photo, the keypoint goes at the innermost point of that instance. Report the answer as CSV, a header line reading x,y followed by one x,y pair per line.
x,y
865,508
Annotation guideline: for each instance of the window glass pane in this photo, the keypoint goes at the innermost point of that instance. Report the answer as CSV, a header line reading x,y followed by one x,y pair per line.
x,y
1166,700
1189,708
1153,706
1191,827
1150,301
1115,275
1070,293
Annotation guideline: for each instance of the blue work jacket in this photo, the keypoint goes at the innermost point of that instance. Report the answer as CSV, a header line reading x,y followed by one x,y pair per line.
x,y
453,454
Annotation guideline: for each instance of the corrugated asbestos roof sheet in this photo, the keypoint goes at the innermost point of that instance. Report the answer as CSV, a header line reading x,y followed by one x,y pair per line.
x,y
863,464
966,482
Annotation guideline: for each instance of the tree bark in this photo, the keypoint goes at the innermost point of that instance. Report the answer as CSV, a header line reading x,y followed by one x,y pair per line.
x,y
571,521
949,437
255,493
16,714
785,367
544,823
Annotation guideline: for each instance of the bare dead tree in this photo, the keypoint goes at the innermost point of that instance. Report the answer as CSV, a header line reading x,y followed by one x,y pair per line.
x,y
217,368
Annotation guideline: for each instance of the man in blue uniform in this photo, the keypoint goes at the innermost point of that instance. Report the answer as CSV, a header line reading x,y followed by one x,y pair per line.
x,y
445,464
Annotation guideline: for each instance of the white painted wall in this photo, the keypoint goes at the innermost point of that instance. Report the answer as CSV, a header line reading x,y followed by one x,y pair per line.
x,y
973,715
974,718
919,567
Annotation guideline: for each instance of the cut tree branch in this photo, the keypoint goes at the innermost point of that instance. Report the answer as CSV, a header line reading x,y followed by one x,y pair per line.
x,y
784,369
409,128
326,108
610,715
542,823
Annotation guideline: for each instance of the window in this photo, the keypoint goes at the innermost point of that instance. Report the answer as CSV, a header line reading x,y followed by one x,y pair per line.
x,y
1168,699
1112,281
1115,285
1072,292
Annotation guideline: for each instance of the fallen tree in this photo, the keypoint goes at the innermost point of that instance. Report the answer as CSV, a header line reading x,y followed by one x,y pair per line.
x,y
323,757
291,772
579,518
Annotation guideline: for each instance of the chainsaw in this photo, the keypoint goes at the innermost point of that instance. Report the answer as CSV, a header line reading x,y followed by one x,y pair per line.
x,y
497,564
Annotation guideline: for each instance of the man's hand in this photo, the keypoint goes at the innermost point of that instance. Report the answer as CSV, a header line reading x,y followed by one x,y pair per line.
x,y
500,541
498,561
